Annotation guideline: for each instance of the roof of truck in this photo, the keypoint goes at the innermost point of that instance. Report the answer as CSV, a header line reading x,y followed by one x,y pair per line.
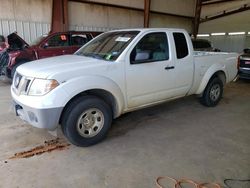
x,y
151,29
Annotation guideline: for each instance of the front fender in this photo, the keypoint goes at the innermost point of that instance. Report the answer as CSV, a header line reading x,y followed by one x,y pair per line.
x,y
78,85
208,75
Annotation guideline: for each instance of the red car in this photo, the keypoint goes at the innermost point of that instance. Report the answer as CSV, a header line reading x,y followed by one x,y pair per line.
x,y
55,44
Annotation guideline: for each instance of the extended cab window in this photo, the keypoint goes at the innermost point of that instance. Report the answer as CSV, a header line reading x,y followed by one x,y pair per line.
x,y
152,47
58,40
180,45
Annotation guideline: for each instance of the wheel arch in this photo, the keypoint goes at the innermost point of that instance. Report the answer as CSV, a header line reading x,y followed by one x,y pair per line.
x,y
105,95
208,77
221,75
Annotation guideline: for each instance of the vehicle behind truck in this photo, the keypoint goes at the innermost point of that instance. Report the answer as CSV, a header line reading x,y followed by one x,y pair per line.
x,y
54,44
115,73
244,64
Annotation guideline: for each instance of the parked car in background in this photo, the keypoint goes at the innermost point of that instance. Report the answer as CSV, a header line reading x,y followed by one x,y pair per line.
x,y
55,44
244,64
203,45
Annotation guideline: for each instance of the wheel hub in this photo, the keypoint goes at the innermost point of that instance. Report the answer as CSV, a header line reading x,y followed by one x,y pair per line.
x,y
215,92
90,122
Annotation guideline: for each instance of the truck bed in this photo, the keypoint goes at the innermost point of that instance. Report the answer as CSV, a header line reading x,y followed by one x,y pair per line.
x,y
206,62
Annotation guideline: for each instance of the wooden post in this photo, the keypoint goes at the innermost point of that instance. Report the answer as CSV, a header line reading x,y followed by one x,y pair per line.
x,y
146,12
59,16
196,21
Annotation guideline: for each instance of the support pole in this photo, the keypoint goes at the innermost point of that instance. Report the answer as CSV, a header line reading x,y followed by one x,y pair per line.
x,y
59,16
196,21
146,12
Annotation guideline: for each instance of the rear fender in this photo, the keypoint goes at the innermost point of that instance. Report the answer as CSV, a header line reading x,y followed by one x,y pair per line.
x,y
214,69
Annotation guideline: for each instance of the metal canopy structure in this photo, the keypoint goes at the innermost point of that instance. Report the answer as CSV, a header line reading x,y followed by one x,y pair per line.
x,y
60,13
222,13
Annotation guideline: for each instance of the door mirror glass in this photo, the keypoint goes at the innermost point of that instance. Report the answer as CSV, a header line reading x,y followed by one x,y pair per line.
x,y
141,56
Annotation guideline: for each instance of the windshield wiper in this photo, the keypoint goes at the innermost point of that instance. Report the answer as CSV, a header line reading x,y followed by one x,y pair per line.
x,y
97,56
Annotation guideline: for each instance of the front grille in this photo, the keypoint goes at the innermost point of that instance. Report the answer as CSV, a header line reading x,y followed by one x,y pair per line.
x,y
21,84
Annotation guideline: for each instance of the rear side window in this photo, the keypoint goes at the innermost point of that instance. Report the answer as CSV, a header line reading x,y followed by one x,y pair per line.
x,y
180,45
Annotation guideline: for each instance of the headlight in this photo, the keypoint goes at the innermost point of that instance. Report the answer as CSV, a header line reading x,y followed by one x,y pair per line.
x,y
42,87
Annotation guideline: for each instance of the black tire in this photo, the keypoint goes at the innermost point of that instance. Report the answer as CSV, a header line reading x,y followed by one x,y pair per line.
x,y
213,92
74,119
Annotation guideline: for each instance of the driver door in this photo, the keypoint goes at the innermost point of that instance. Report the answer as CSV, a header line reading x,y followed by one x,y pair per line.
x,y
150,74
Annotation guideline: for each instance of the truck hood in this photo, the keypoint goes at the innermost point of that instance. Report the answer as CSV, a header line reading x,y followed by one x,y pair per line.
x,y
16,42
60,65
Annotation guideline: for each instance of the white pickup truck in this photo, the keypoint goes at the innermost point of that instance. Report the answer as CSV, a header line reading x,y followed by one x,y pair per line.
x,y
117,72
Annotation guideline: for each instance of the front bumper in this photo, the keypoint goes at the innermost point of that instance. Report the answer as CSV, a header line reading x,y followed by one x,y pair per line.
x,y
45,117
40,118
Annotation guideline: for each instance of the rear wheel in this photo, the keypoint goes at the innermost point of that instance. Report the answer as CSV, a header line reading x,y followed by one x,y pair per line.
x,y
86,121
213,93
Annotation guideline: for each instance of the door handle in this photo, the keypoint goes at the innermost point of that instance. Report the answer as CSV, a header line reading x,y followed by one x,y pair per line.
x,y
168,68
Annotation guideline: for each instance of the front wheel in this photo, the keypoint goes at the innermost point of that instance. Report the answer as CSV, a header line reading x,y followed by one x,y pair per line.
x,y
213,93
86,121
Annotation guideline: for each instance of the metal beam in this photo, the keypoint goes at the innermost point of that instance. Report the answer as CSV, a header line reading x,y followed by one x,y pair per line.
x,y
59,16
225,13
146,12
170,14
196,21
129,8
217,2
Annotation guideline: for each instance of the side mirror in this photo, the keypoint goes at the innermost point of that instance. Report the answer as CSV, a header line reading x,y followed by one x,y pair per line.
x,y
139,57
142,56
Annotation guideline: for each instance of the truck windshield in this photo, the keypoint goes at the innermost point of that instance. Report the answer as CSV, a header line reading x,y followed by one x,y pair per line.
x,y
108,46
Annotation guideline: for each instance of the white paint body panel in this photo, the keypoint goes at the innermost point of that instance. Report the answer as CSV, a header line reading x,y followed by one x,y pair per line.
x,y
133,86
207,63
